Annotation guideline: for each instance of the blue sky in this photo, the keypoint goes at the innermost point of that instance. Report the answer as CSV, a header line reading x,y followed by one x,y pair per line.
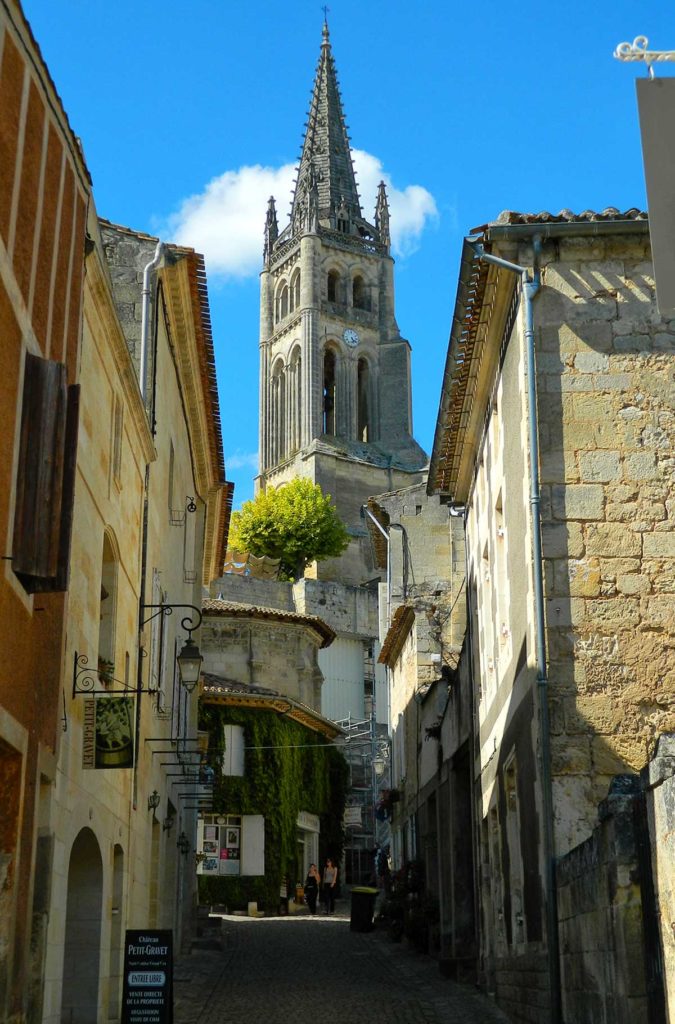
x,y
190,114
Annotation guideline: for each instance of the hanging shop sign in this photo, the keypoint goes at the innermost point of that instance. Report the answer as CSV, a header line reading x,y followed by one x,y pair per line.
x,y
147,996
108,733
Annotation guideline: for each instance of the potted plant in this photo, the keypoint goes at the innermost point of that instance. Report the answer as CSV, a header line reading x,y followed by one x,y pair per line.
x,y
105,670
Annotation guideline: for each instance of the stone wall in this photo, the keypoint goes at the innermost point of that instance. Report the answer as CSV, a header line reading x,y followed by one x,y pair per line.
x,y
606,393
600,919
659,781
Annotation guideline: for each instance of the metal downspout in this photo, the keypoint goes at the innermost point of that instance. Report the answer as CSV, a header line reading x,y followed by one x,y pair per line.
x,y
530,289
145,314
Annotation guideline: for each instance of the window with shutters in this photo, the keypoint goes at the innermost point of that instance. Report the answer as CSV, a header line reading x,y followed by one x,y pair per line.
x,y
45,480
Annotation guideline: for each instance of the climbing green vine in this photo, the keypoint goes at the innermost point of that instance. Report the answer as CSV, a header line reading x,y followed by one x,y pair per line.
x,y
298,771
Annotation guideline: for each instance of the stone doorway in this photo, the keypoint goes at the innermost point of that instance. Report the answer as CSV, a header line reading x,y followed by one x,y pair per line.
x,y
79,1000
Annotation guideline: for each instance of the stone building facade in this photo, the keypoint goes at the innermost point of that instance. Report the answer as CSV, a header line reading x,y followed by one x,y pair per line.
x,y
44,192
150,517
335,389
430,714
565,707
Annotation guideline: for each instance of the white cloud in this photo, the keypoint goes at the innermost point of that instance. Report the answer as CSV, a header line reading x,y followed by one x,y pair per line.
x,y
410,209
242,460
225,222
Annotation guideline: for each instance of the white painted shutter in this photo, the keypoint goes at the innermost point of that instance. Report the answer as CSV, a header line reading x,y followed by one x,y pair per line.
x,y
233,755
252,844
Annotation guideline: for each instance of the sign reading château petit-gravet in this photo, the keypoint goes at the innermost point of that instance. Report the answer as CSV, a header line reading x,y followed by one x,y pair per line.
x,y
148,977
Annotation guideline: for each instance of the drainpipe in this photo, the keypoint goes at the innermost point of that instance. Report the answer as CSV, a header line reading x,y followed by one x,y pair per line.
x,y
530,288
145,314
145,319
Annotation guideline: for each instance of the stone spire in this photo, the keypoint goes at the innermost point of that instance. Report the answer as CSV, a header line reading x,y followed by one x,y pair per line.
x,y
271,229
382,216
326,162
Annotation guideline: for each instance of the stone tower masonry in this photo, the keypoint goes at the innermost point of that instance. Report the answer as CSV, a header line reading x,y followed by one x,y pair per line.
x,y
335,388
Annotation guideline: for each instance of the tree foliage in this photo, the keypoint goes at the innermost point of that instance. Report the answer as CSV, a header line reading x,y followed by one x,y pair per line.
x,y
295,522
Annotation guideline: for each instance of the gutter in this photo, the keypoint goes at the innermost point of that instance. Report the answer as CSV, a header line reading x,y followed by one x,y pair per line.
x,y
563,229
530,288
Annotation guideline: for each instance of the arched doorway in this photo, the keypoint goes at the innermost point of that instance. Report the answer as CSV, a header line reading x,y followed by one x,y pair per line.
x,y
79,999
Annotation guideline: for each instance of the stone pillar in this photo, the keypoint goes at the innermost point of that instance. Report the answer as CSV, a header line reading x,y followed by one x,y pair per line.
x,y
312,361
266,328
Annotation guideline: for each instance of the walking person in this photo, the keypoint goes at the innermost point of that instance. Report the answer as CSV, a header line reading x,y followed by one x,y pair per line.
x,y
329,883
312,886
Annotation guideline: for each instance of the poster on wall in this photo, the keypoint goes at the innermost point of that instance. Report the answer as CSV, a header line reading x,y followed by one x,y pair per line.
x,y
108,732
147,995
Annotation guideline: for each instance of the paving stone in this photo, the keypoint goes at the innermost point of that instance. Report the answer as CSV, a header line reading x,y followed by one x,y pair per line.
x,y
309,969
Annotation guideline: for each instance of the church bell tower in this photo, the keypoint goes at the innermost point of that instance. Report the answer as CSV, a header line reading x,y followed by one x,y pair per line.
x,y
335,389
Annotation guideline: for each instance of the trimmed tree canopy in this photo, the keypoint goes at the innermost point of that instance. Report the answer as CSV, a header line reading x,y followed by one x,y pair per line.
x,y
295,522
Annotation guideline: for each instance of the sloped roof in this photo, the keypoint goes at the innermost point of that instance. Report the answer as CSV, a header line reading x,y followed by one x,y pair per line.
x,y
219,690
238,609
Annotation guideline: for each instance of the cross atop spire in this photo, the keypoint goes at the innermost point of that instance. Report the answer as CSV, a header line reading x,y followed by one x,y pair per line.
x,y
326,163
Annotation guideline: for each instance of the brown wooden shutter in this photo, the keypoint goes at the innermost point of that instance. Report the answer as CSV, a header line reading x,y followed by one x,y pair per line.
x,y
45,476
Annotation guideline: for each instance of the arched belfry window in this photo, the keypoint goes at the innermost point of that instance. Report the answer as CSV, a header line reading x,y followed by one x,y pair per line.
x,y
295,400
282,299
329,392
359,296
333,285
278,412
363,401
295,291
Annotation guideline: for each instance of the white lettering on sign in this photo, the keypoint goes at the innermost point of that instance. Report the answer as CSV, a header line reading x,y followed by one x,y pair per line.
x,y
146,978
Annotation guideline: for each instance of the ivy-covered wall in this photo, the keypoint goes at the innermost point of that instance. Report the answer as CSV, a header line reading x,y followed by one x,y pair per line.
x,y
288,769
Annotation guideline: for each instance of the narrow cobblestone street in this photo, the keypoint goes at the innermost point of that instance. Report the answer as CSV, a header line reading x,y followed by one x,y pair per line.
x,y
314,969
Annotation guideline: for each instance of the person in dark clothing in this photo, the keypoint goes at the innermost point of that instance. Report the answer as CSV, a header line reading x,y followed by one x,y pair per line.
x,y
312,884
329,883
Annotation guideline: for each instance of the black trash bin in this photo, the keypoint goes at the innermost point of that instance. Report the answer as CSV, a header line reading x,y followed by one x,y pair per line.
x,y
363,908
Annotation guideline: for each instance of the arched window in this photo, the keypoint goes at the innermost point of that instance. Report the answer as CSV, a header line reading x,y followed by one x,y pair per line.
x,y
295,291
278,413
359,297
108,608
363,401
295,401
333,285
329,392
281,303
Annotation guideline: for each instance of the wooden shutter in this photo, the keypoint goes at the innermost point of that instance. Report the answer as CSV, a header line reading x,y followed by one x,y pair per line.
x,y
45,476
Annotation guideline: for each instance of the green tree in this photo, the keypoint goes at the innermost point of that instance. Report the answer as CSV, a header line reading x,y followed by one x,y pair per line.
x,y
295,522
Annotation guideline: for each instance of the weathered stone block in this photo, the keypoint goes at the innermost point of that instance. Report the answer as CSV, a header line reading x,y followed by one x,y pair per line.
x,y
562,540
601,465
632,343
613,381
583,577
577,501
591,362
659,611
640,466
613,613
633,584
614,755
570,756
581,337
612,540
659,545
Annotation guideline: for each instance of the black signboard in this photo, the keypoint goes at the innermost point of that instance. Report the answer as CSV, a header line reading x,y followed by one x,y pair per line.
x,y
148,977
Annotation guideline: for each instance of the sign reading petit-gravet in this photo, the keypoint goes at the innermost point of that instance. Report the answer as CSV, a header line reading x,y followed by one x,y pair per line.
x,y
148,977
